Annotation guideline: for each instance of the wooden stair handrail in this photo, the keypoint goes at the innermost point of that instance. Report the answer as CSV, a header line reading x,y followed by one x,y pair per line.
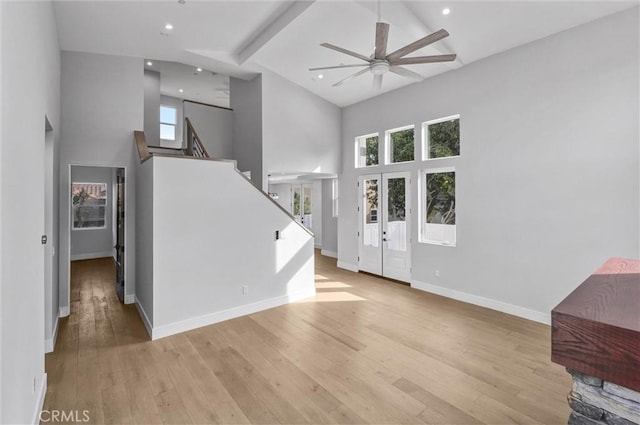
x,y
143,147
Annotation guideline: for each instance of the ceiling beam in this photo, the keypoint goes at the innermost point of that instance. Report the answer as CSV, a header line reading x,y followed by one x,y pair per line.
x,y
263,36
401,15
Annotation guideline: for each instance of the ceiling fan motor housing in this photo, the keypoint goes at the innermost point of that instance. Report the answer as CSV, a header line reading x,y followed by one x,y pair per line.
x,y
379,67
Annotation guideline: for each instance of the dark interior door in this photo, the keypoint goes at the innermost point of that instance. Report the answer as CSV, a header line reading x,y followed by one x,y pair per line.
x,y
120,233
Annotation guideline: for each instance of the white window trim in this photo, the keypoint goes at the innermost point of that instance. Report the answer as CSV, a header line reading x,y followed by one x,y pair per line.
x,y
357,150
423,206
425,134
387,144
175,126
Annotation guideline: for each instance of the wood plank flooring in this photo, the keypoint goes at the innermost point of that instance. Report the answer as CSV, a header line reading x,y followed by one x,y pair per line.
x,y
364,350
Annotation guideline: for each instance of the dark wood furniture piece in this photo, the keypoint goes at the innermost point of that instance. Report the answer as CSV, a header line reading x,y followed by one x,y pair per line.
x,y
596,329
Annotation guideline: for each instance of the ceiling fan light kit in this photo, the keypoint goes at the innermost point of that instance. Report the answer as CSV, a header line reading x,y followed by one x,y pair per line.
x,y
380,62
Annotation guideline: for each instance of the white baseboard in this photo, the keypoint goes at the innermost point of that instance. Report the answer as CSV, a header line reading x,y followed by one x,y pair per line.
x,y
40,403
144,317
91,255
220,316
347,266
49,344
525,313
130,299
63,311
328,253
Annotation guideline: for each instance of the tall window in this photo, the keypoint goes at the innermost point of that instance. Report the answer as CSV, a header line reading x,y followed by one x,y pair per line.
x,y
400,145
441,138
334,197
168,121
367,148
89,203
438,222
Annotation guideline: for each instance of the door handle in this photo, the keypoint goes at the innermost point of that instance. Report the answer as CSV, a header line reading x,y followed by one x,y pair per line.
x,y
386,240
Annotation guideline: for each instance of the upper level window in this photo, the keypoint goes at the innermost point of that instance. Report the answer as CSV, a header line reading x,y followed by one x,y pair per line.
x,y
168,121
367,148
438,209
441,137
400,144
89,203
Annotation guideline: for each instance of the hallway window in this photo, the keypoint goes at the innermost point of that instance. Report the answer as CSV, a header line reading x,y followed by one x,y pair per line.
x,y
168,121
89,203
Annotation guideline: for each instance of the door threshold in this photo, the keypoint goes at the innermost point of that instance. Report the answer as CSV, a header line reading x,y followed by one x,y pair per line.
x,y
386,278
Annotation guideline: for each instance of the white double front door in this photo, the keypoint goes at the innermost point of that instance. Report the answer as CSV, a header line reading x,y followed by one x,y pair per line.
x,y
384,208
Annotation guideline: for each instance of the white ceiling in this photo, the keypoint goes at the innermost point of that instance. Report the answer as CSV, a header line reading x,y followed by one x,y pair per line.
x,y
202,86
231,37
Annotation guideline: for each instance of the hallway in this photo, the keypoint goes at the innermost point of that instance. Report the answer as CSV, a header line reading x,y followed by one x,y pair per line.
x,y
364,350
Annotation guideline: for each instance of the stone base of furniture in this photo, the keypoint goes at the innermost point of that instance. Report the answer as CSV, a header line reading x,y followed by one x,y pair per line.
x,y
598,402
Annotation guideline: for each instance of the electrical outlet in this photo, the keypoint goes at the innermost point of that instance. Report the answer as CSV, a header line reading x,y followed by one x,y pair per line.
x,y
245,289
437,273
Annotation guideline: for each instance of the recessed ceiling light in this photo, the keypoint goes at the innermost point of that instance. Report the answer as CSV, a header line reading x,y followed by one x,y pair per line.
x,y
181,90
199,69
320,76
168,27
149,63
446,11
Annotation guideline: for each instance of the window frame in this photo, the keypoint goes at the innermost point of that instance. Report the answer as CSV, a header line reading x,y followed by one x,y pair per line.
x,y
174,125
387,144
425,136
357,149
335,197
422,216
106,205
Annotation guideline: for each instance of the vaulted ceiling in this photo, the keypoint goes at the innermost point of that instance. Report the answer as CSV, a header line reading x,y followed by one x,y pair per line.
x,y
239,38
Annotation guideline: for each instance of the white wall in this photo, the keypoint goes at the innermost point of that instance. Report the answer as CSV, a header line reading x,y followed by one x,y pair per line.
x,y
102,104
30,85
329,222
178,104
214,125
152,107
548,178
199,268
94,243
246,102
144,240
301,132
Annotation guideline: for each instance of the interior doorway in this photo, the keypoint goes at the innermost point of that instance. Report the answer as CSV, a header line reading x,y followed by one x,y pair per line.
x,y
97,223
301,204
384,236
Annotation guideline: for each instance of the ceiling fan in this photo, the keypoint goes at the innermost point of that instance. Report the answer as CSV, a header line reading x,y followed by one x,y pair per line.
x,y
380,62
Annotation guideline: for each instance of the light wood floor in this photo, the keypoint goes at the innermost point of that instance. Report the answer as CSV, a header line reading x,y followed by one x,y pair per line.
x,y
365,350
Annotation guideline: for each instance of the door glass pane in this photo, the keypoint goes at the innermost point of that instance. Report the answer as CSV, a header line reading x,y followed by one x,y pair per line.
x,y
296,201
370,231
306,206
396,222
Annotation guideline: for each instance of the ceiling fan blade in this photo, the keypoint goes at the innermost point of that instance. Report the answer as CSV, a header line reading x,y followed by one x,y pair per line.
x,y
418,44
377,81
345,51
350,77
424,59
337,67
406,73
382,36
